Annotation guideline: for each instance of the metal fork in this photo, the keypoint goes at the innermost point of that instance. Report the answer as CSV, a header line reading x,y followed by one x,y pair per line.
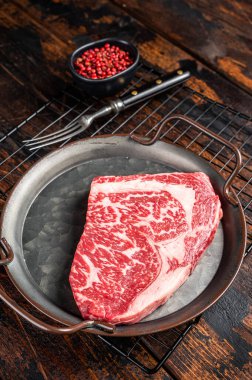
x,y
114,107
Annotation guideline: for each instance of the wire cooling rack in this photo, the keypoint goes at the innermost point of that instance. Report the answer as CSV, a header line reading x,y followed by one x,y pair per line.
x,y
144,119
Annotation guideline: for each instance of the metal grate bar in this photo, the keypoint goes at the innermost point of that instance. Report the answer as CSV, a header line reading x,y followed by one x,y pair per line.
x,y
249,181
230,159
188,128
222,148
249,249
208,125
72,108
220,105
25,121
146,348
68,93
177,122
18,166
245,208
151,114
145,119
230,140
168,114
219,133
65,114
38,134
141,79
134,345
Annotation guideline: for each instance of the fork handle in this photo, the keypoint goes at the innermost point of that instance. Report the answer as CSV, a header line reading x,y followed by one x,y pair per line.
x,y
136,96
146,92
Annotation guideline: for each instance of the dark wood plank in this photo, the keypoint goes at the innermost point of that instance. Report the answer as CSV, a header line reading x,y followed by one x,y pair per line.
x,y
27,364
37,37
218,35
52,41
38,355
228,323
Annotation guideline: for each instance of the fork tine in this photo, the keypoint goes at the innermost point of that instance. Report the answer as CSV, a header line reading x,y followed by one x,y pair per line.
x,y
49,134
41,144
70,128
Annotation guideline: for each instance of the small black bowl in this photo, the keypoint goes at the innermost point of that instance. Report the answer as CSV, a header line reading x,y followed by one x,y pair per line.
x,y
113,84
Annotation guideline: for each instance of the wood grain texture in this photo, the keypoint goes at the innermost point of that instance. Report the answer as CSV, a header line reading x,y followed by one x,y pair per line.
x,y
36,38
45,47
44,356
216,33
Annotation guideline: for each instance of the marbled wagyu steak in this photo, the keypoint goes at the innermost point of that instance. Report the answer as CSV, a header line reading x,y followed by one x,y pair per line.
x,y
143,236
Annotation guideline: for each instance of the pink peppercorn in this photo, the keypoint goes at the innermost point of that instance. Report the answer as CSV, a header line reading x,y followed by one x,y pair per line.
x,y
103,62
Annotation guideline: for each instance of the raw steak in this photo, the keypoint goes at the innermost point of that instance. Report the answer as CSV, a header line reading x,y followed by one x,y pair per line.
x,y
144,235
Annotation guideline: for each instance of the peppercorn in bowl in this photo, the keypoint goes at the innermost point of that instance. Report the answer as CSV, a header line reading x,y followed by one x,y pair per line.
x,y
104,67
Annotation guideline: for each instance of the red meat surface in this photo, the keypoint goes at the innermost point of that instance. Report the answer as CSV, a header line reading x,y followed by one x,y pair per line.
x,y
143,236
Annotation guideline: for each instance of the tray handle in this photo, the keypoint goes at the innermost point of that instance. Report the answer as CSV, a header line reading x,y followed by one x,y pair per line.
x,y
7,252
227,187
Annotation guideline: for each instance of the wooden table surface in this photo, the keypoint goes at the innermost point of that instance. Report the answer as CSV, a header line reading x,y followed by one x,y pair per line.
x,y
36,37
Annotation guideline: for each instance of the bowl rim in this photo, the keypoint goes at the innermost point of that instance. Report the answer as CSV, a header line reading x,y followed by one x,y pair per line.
x,y
103,40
